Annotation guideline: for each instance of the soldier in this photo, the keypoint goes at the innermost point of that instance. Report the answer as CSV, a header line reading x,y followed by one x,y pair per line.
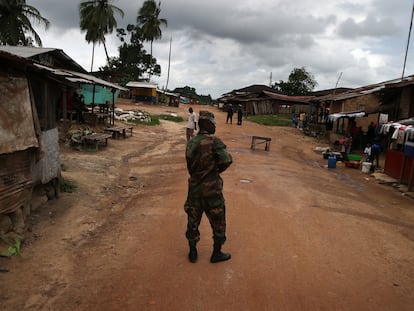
x,y
206,157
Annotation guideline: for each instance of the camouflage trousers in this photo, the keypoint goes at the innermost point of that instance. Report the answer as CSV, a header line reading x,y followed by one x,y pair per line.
x,y
215,210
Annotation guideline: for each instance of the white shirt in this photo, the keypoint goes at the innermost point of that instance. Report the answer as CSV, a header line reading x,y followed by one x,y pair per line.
x,y
192,119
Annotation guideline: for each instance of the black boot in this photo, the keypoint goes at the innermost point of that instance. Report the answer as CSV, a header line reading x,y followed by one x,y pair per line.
x,y
192,255
218,255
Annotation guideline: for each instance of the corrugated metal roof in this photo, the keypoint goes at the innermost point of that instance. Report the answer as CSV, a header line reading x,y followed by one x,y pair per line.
x,y
24,51
168,93
301,99
368,89
79,77
137,84
59,57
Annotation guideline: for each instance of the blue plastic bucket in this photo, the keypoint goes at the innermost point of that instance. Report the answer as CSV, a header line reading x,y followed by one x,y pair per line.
x,y
332,162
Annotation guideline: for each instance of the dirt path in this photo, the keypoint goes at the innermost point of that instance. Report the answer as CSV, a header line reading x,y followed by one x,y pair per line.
x,y
302,237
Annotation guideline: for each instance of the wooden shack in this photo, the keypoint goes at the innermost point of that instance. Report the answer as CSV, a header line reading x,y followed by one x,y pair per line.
x,y
31,90
143,91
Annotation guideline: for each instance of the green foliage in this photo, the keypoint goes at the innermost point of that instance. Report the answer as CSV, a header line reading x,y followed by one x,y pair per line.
x,y
272,120
15,23
153,120
133,60
66,185
300,83
150,24
13,250
148,19
97,20
168,117
190,92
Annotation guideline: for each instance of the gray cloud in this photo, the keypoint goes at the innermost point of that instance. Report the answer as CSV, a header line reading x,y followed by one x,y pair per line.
x,y
369,27
221,45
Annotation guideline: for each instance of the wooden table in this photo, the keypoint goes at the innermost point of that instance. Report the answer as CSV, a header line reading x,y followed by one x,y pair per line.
x,y
119,131
261,140
95,139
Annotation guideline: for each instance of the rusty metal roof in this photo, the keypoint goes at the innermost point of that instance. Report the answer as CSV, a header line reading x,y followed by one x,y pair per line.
x,y
142,84
43,56
78,77
368,89
24,51
301,99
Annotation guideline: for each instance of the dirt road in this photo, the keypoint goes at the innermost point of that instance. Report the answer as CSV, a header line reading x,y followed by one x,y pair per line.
x,y
302,237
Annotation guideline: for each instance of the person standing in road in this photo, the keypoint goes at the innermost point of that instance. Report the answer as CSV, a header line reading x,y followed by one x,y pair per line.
x,y
206,157
192,124
229,114
239,114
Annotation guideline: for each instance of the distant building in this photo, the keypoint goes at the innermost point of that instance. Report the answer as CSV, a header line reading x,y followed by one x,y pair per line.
x,y
143,91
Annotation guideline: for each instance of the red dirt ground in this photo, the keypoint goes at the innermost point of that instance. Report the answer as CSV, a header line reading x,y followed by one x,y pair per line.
x,y
302,237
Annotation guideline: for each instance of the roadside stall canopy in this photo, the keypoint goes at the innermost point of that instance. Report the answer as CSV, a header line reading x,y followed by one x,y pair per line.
x,y
335,116
97,95
78,77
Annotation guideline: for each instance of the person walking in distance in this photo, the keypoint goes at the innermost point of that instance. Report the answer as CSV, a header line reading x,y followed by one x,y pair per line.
x,y
239,114
192,124
229,114
206,157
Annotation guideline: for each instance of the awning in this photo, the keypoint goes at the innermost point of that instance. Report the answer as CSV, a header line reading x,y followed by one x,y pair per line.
x,y
78,77
335,116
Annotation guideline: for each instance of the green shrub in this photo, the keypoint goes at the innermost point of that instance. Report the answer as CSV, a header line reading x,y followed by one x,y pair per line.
x,y
153,120
67,185
168,117
13,250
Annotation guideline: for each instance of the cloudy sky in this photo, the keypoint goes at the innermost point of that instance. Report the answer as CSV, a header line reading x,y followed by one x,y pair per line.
x,y
222,45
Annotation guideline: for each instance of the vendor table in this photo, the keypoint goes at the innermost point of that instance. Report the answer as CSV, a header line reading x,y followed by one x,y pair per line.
x,y
119,131
261,140
95,139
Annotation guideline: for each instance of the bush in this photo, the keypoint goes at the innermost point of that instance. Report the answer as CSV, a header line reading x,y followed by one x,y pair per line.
x,y
66,185
152,120
168,117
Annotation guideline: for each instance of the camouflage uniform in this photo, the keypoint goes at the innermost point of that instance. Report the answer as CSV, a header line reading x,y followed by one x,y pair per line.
x,y
206,157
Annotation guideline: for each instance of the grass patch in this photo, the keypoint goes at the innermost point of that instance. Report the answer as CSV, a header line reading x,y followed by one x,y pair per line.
x,y
168,117
152,120
272,120
67,185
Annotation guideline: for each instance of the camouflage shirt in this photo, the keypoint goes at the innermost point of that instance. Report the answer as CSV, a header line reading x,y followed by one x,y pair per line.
x,y
206,157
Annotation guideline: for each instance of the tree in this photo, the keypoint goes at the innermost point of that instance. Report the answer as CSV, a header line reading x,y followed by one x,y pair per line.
x,y
133,60
191,92
300,83
97,19
150,23
15,25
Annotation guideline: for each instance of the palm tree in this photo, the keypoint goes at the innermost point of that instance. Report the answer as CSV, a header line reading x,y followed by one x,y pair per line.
x,y
97,19
149,21
15,16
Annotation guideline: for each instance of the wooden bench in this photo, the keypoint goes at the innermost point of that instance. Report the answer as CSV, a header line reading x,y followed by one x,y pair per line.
x,y
256,140
119,131
95,139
